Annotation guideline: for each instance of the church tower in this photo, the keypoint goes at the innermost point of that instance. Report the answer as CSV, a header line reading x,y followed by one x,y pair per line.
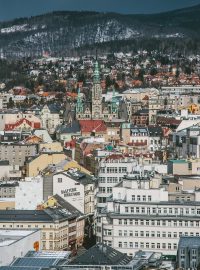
x,y
79,106
96,95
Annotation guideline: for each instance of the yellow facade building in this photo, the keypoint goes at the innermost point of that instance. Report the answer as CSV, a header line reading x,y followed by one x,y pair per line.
x,y
37,164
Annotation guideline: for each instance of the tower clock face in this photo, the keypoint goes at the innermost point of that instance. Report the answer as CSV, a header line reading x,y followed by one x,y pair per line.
x,y
96,114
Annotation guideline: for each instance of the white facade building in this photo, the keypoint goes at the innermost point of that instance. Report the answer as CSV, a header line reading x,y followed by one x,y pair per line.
x,y
138,217
29,193
76,188
186,143
9,171
50,119
180,90
111,171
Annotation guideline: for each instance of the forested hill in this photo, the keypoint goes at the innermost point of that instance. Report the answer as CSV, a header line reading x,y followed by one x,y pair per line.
x,y
69,33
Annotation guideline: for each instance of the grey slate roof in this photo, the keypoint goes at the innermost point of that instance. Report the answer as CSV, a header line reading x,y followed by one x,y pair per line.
x,y
34,262
135,129
46,215
101,254
189,241
141,112
9,184
4,162
79,176
54,108
155,131
20,268
64,204
72,127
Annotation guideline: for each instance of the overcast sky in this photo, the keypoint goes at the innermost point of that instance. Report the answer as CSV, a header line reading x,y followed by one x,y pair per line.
x,y
10,9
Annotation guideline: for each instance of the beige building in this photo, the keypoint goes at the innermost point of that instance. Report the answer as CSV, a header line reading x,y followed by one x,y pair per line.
x,y
8,203
58,227
37,164
184,167
53,147
176,193
177,167
139,93
113,131
190,182
76,236
160,102
125,132
50,118
17,153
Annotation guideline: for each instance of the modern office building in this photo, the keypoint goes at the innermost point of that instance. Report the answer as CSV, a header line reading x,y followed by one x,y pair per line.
x,y
138,217
111,171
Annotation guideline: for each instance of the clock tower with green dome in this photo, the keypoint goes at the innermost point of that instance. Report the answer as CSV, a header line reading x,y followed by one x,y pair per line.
x,y
96,94
96,108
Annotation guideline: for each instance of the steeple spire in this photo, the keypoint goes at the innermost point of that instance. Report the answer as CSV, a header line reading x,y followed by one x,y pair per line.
x,y
79,104
96,71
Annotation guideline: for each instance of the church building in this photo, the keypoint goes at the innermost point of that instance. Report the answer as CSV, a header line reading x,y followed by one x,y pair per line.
x,y
96,108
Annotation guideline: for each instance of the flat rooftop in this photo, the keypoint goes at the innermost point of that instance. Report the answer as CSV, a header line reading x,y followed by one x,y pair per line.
x,y
8,237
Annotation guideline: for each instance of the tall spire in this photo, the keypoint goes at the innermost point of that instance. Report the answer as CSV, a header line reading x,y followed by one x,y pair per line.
x,y
79,104
96,71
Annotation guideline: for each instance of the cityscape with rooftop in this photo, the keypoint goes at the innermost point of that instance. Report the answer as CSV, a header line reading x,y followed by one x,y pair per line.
x,y
100,135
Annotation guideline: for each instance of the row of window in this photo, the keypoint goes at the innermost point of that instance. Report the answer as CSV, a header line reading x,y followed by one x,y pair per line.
x,y
51,246
113,170
159,210
184,251
168,223
147,245
27,226
45,235
139,134
163,234
143,198
7,190
105,190
101,200
109,179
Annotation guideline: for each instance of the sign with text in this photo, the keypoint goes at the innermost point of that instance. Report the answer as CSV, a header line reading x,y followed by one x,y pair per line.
x,y
70,192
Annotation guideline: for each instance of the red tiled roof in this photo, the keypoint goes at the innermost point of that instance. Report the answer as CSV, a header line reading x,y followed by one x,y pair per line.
x,y
137,143
31,137
21,121
168,121
92,126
